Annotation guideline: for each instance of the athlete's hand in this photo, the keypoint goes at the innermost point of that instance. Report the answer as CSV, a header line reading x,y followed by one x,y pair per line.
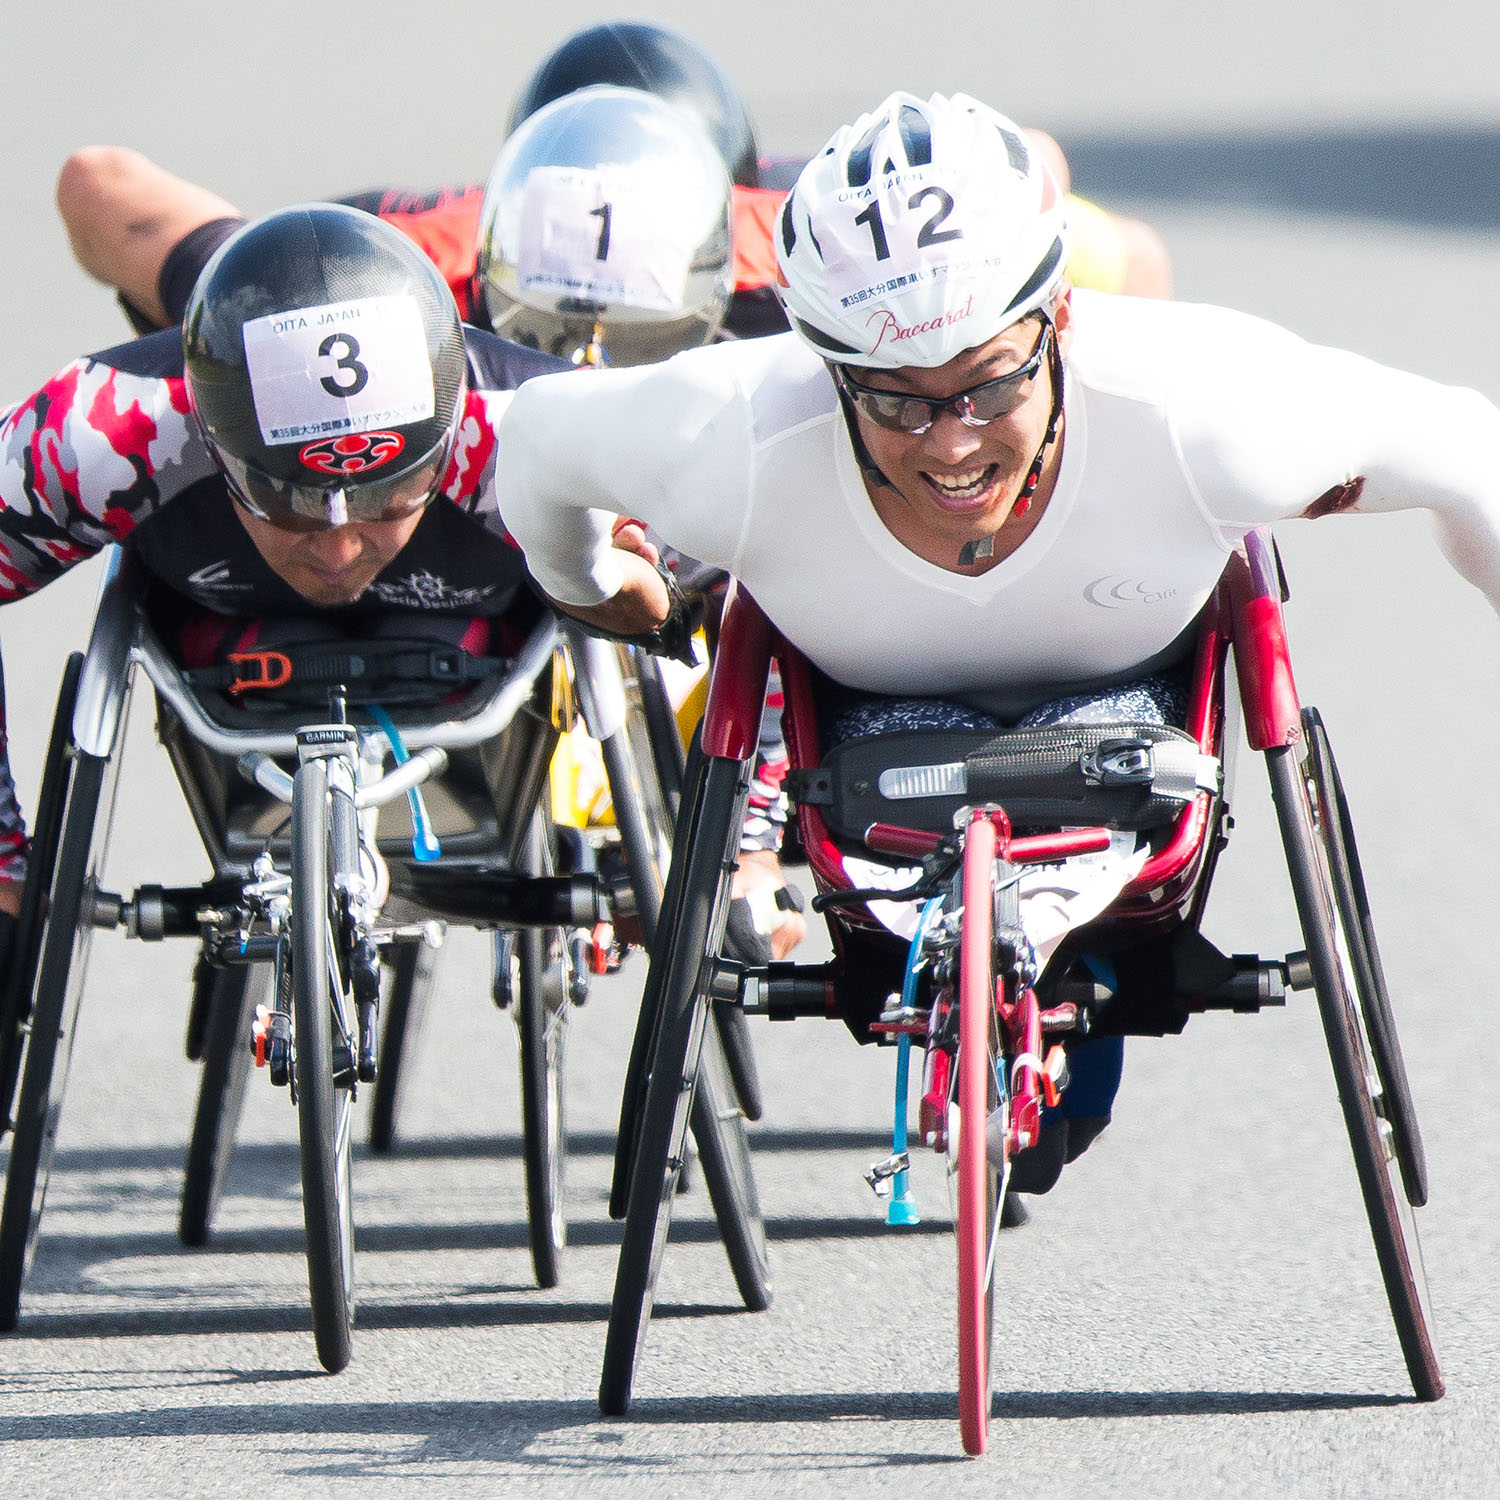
x,y
629,535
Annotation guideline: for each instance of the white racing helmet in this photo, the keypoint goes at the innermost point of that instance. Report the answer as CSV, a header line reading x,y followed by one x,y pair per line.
x,y
609,210
919,231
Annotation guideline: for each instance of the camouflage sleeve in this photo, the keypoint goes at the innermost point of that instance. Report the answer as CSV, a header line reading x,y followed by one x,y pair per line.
x,y
82,462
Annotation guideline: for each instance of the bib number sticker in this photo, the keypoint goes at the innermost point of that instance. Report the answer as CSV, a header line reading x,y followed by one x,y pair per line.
x,y
345,367
594,236
880,258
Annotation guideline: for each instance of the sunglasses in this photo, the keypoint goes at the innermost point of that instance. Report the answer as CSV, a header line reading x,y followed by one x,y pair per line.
x,y
306,508
898,411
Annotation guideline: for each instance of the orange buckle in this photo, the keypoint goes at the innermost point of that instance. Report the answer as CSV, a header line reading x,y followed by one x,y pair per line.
x,y
1054,1075
273,670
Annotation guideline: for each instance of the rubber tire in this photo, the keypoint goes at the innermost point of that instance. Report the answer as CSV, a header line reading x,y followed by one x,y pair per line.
x,y
733,1027
324,1112
667,754
60,978
541,1014
412,977
674,1011
1336,828
234,993
718,1124
1392,1221
978,1211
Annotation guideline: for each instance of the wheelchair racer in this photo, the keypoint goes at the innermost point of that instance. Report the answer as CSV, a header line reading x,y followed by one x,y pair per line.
x,y
1008,497
317,444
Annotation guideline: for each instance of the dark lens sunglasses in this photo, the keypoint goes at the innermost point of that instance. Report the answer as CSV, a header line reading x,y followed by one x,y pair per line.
x,y
897,411
304,508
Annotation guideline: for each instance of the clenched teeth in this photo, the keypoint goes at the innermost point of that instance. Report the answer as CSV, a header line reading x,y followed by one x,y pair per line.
x,y
961,484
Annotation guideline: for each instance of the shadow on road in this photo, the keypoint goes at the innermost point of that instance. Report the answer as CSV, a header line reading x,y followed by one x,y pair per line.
x,y
571,1435
282,1156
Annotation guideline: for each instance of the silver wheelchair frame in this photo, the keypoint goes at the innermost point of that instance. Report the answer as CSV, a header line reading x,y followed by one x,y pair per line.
x,y
497,870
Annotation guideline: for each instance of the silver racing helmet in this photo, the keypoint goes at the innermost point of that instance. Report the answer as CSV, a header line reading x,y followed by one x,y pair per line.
x,y
606,229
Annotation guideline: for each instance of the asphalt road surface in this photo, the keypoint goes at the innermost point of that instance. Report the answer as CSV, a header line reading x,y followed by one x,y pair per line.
x,y
1196,1309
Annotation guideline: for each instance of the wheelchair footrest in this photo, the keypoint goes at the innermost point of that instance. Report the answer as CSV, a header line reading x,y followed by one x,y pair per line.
x,y
785,991
477,896
1255,982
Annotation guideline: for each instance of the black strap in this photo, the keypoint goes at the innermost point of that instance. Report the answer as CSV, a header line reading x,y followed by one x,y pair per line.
x,y
414,662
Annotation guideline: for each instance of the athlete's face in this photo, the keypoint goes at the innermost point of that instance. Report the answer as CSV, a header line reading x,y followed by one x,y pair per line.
x,y
331,567
960,483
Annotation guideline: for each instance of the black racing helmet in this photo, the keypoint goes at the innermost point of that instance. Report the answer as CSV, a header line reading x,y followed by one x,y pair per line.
x,y
325,365
660,61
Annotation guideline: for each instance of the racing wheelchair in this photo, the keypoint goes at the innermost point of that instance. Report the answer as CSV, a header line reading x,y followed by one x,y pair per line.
x,y
327,859
957,819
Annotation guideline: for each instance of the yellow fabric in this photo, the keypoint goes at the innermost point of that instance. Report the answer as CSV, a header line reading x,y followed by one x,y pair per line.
x,y
580,788
1098,258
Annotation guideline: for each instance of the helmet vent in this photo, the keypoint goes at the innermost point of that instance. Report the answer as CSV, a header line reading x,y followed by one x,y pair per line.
x,y
1041,276
916,137
1016,150
859,156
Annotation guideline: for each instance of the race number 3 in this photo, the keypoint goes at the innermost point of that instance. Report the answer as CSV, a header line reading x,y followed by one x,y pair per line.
x,y
344,367
348,350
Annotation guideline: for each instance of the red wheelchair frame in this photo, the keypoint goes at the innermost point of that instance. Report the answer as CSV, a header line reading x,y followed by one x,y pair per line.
x,y
1341,963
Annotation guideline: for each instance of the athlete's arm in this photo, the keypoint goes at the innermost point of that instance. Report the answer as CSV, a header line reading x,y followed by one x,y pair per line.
x,y
89,456
670,444
1271,427
75,474
124,215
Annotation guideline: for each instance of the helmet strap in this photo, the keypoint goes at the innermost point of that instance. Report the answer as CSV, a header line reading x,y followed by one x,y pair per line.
x,y
1034,473
867,465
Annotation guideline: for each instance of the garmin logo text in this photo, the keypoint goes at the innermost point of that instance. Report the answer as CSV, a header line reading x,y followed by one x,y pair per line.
x,y
1115,592
891,328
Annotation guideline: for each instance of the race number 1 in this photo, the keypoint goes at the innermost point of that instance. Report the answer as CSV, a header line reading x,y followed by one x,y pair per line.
x,y
344,367
594,235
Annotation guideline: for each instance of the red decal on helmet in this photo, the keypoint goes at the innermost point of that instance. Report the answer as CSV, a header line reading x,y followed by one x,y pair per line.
x,y
354,453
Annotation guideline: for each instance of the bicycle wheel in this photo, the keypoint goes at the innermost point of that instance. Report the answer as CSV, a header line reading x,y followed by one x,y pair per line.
x,y
46,832
320,1026
233,996
412,972
674,1009
1336,829
978,1213
60,976
541,1013
718,1124
733,1028
1392,1222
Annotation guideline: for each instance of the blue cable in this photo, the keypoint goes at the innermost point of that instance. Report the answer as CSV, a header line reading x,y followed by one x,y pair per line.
x,y
424,844
902,1209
